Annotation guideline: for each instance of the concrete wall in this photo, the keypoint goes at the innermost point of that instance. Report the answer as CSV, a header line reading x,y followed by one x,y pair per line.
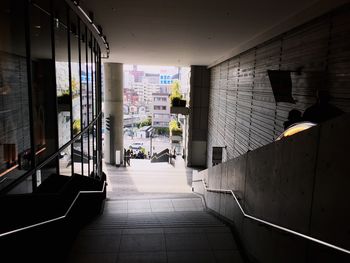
x,y
198,116
243,113
300,182
113,108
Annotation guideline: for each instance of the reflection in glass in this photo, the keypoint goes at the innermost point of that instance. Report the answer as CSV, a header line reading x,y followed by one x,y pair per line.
x,y
91,153
93,97
86,153
89,82
77,156
62,82
74,41
94,151
25,187
15,141
43,88
84,76
65,161
46,171
94,80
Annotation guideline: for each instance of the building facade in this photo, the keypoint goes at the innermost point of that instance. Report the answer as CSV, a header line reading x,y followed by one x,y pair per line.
x,y
160,110
50,94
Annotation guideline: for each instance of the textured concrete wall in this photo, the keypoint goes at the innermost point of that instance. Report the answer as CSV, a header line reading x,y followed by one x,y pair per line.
x,y
301,183
243,113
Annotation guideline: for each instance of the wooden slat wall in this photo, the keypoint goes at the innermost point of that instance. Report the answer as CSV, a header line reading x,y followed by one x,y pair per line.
x,y
243,114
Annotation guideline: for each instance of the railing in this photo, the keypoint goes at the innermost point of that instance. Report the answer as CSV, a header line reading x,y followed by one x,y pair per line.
x,y
56,218
269,223
157,156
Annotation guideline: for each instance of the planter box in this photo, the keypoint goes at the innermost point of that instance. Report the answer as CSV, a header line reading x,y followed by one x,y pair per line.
x,y
179,110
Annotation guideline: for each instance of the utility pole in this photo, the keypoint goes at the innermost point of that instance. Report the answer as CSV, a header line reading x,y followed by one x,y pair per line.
x,y
150,141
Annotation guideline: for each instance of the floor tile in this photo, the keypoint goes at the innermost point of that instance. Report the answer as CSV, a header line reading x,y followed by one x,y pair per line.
x,y
92,258
221,241
143,231
142,257
142,243
227,256
186,241
200,256
97,244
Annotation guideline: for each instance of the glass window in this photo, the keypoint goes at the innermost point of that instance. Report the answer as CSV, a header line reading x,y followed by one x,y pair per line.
x,y
75,74
43,84
94,151
15,141
62,79
85,153
77,156
91,152
89,79
93,79
65,161
46,171
96,95
84,74
25,187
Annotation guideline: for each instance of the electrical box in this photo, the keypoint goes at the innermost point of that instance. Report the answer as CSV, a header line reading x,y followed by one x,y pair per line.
x,y
117,157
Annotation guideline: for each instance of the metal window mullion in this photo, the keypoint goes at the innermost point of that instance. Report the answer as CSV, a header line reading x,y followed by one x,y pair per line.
x,y
70,84
93,102
87,96
81,96
100,108
53,50
92,76
30,90
99,93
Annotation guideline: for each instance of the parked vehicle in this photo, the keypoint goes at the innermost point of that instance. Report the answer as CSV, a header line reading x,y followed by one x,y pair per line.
x,y
136,145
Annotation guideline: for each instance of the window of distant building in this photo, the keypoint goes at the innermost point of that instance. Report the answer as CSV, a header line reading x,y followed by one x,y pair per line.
x,y
160,116
157,107
159,99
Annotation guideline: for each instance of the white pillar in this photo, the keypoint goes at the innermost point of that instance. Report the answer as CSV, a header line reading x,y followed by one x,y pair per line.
x,y
113,109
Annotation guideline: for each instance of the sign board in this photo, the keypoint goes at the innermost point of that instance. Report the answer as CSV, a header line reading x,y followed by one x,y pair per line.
x,y
217,155
83,77
165,79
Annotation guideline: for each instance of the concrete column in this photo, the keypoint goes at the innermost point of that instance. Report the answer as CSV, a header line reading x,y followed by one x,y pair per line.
x,y
198,117
113,111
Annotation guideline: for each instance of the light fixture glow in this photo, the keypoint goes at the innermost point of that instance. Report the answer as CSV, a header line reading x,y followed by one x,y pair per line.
x,y
298,127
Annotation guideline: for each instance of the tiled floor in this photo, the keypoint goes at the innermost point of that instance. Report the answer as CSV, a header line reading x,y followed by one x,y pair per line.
x,y
155,226
143,180
155,237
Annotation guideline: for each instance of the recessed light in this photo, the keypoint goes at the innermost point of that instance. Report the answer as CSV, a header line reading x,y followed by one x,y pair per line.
x,y
38,27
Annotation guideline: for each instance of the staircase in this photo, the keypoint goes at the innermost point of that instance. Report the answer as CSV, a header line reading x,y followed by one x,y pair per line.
x,y
40,226
162,156
156,230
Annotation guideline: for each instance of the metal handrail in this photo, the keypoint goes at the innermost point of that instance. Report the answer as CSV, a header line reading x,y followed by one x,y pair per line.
x,y
160,155
56,218
269,223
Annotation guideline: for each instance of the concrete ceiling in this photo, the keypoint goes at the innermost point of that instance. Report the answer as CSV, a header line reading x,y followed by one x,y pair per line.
x,y
192,32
